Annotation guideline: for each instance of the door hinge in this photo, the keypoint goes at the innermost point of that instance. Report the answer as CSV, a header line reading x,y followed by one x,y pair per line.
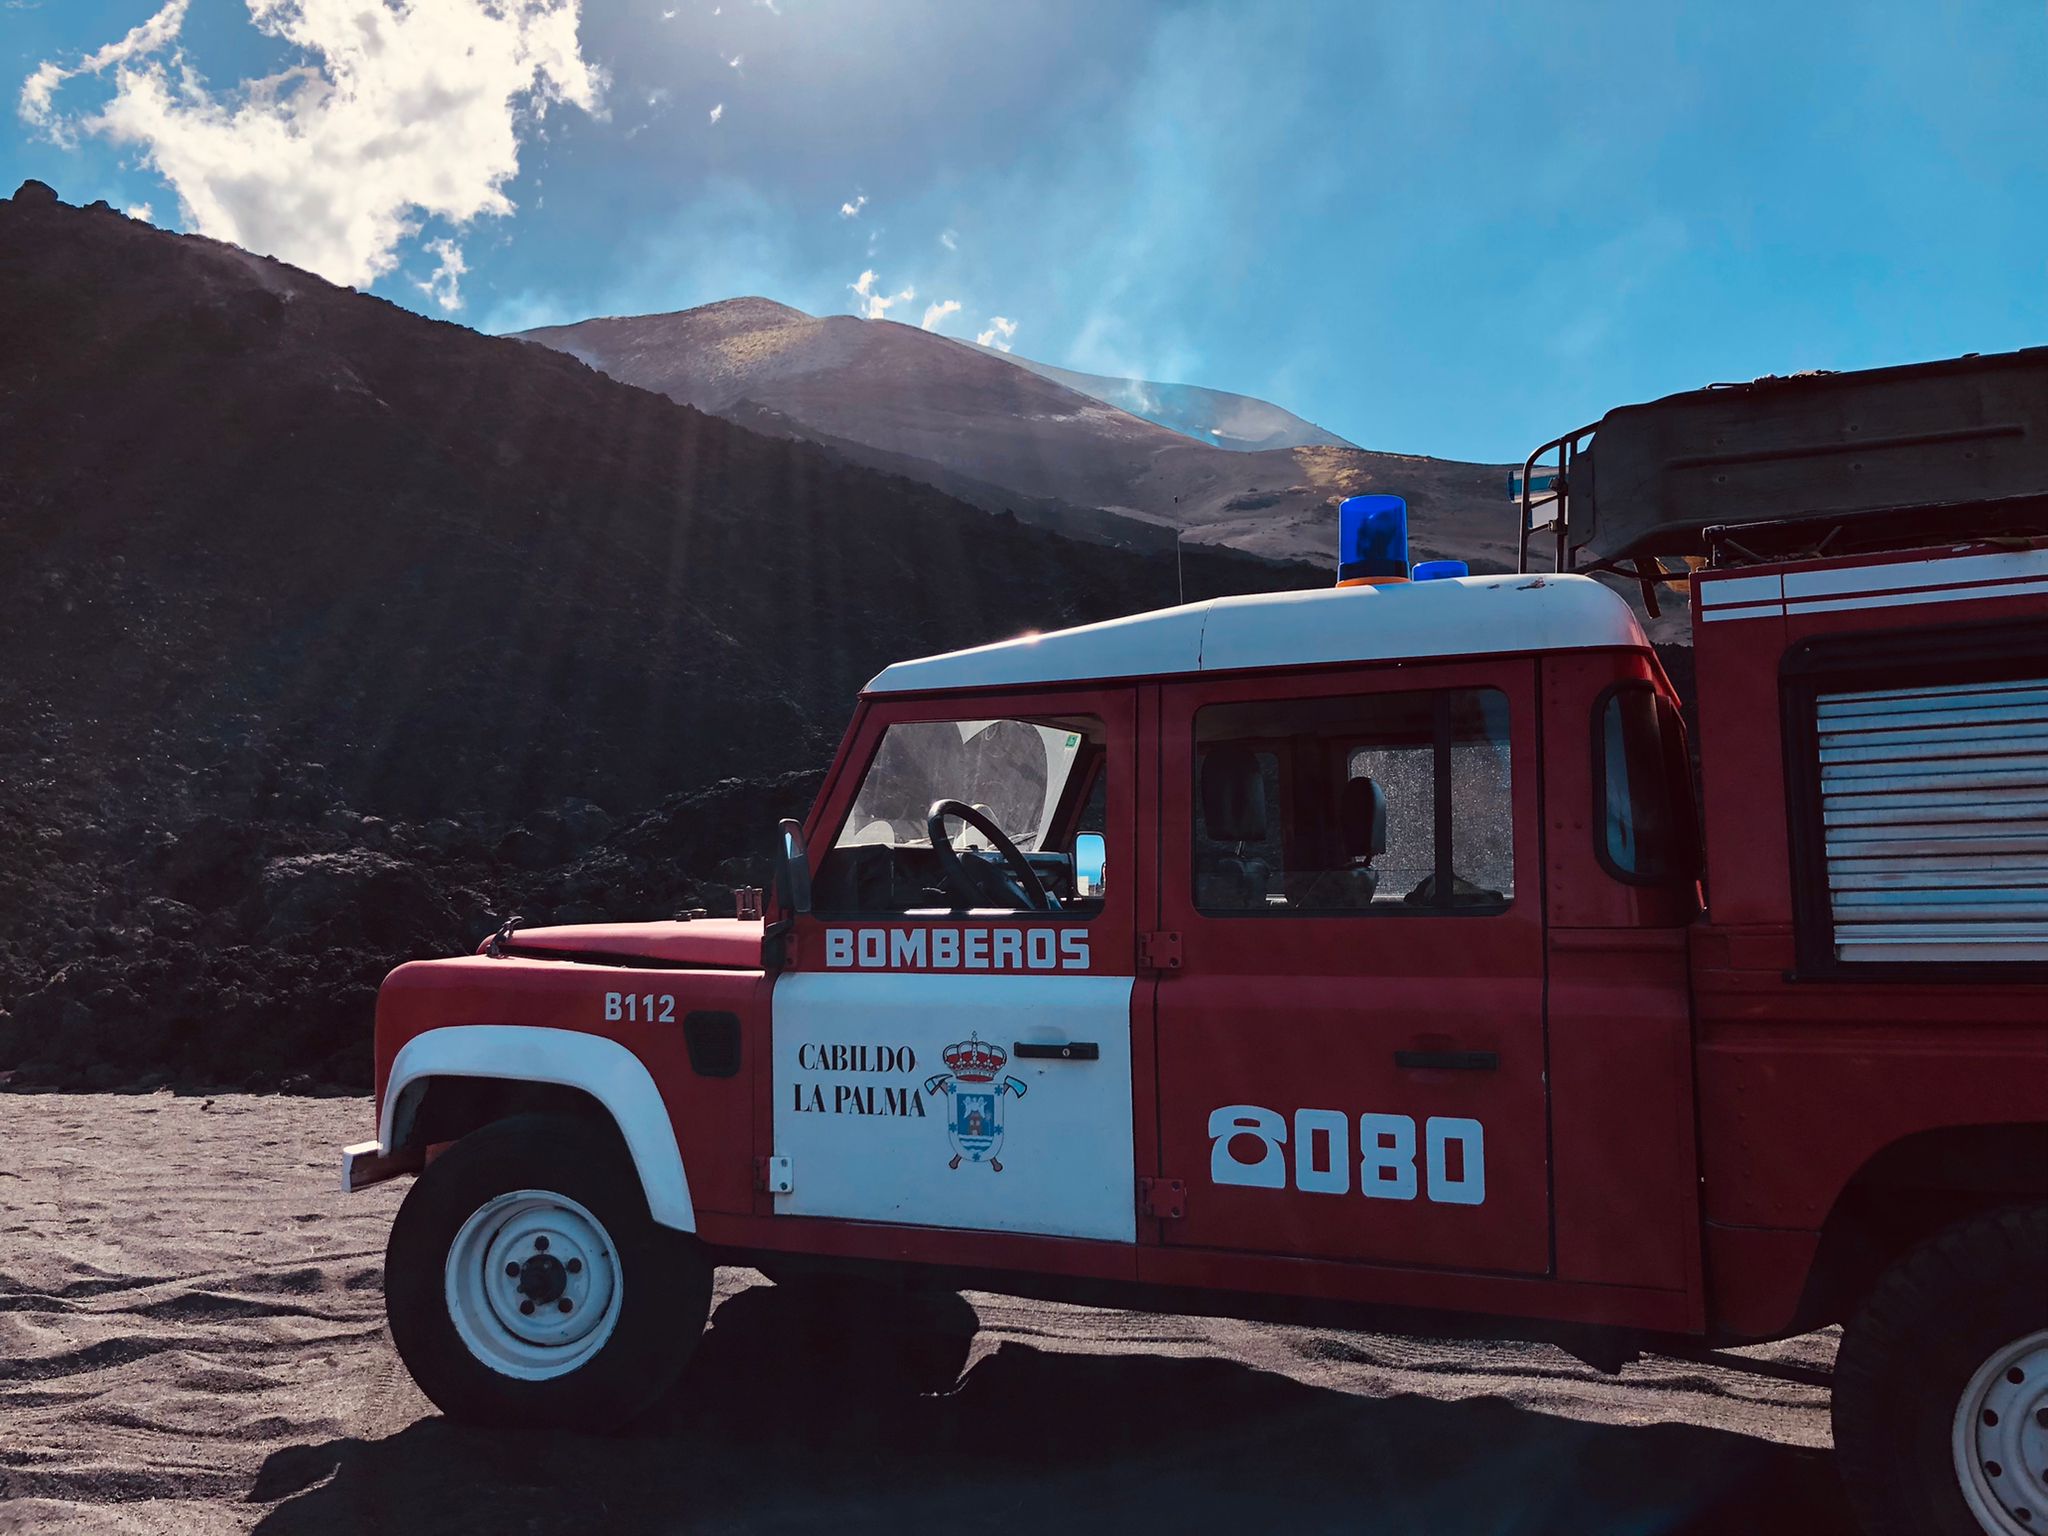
x,y
777,1175
1159,951
1166,1199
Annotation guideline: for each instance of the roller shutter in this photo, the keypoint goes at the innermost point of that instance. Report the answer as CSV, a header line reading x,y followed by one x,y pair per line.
x,y
1935,808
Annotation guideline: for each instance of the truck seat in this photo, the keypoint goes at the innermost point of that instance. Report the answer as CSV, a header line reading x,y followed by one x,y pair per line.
x,y
1233,811
1362,833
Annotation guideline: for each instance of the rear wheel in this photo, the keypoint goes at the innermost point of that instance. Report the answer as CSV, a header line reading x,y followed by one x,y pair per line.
x,y
526,1284
1941,1386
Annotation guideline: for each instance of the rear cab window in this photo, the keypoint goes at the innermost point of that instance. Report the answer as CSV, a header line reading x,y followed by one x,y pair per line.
x,y
1393,804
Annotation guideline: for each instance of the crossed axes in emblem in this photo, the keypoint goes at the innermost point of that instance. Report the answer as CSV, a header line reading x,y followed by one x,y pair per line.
x,y
942,1082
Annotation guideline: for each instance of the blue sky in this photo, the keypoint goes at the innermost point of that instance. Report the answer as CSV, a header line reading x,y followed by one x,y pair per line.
x,y
1452,228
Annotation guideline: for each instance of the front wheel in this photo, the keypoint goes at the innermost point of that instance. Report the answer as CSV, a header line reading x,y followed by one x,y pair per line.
x,y
526,1284
1941,1386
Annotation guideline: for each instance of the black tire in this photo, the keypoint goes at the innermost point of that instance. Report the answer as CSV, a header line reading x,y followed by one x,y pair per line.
x,y
664,1291
1932,1322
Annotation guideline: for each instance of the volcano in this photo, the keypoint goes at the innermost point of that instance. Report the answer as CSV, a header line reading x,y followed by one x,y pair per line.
x,y
1046,445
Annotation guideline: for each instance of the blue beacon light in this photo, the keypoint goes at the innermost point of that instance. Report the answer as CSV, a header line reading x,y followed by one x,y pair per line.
x,y
1372,540
1439,570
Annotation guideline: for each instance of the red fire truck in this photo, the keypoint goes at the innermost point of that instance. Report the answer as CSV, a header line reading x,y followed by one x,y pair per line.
x,y
1361,952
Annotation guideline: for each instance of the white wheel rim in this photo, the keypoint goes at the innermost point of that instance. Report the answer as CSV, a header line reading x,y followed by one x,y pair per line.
x,y
2001,1439
510,1270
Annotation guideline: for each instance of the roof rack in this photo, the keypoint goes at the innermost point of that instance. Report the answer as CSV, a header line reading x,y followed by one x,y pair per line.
x,y
1821,536
1543,485
1800,467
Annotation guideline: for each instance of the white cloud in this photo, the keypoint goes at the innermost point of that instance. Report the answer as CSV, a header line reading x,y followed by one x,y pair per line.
x,y
669,15
39,90
717,112
873,304
852,210
141,211
998,333
950,239
445,286
36,92
389,114
934,313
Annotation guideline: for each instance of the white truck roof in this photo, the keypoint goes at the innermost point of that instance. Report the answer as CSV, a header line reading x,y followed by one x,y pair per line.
x,y
1460,616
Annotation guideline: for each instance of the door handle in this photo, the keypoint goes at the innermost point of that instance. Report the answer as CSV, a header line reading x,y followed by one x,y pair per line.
x,y
1065,1050
1448,1061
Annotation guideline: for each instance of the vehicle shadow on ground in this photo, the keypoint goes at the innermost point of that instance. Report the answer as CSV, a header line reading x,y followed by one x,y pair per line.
x,y
770,1430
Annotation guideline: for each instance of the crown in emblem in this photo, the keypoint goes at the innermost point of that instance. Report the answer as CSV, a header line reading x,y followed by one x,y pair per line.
x,y
974,1060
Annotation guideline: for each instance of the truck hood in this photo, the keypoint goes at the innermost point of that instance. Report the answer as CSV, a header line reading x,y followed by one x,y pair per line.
x,y
712,943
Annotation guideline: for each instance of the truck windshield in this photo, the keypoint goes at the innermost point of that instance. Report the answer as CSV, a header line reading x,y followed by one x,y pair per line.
x,y
1014,771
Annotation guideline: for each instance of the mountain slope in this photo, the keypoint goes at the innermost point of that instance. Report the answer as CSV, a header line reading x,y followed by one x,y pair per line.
x,y
1216,417
1004,436
331,631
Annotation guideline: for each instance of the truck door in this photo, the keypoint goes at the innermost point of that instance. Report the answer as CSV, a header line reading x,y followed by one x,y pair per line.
x,y
1351,1051
948,1052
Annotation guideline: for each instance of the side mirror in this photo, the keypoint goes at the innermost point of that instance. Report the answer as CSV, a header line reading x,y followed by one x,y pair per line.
x,y
1091,856
792,870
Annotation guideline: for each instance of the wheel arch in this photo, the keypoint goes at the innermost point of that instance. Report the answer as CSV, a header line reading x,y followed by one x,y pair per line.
x,y
1910,1189
559,1067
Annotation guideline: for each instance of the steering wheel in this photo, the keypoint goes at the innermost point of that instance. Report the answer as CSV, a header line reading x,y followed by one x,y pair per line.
x,y
1021,883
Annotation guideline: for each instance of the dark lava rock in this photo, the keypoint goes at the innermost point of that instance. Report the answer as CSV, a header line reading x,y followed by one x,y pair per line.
x,y
353,897
35,193
171,918
211,862
523,849
586,825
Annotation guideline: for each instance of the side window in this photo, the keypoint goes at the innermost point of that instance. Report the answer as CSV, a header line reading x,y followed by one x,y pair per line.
x,y
1394,804
1932,804
1095,808
1917,766
1645,827
1034,783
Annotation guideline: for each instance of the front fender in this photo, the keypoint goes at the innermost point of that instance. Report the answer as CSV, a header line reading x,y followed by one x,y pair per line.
x,y
602,1068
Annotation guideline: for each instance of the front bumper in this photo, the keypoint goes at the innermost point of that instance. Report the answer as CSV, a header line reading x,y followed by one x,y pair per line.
x,y
366,1163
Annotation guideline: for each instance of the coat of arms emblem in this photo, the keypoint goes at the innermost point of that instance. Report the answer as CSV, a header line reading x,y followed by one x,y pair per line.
x,y
975,1126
